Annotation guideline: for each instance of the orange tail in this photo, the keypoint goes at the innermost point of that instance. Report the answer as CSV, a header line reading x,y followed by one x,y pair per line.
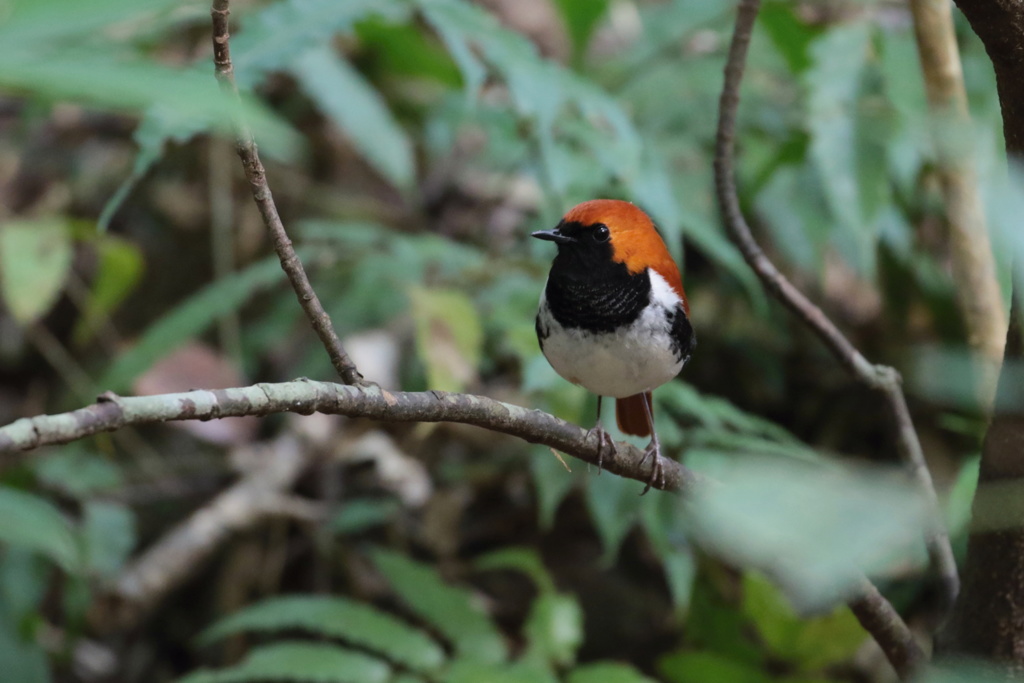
x,y
631,415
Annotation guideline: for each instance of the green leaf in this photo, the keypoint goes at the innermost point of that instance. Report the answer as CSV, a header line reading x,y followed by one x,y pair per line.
x,y
680,569
581,17
299,662
458,43
964,672
704,667
550,479
28,22
452,611
118,270
25,578
525,560
335,617
159,126
35,258
813,527
614,505
360,514
108,530
720,415
961,496
810,644
834,83
135,86
449,337
799,223
77,472
23,658
469,671
608,672
32,522
790,35
714,623
358,110
664,520
540,90
554,628
191,318
405,50
268,38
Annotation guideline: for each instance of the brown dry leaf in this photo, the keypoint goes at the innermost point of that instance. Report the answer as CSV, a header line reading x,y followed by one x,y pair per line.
x,y
198,366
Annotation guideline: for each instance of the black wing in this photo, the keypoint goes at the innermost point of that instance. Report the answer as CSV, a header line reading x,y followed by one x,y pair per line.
x,y
684,341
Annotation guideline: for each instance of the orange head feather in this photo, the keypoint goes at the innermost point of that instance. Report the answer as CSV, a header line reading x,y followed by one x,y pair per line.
x,y
634,239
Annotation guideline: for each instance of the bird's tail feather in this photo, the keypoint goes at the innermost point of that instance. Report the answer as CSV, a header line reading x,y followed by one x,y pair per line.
x,y
631,415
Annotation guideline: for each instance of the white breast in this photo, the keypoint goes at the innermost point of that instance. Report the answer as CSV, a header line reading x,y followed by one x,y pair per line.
x,y
628,361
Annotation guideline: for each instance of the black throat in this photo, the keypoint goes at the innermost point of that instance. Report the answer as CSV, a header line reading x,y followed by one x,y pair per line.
x,y
588,290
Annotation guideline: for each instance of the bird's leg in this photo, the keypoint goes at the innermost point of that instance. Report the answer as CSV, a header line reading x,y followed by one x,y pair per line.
x,y
653,449
603,437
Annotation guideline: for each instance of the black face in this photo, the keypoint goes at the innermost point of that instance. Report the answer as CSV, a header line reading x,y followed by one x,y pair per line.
x,y
580,246
586,288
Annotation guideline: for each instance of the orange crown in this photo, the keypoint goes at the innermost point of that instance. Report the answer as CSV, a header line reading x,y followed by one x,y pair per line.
x,y
635,241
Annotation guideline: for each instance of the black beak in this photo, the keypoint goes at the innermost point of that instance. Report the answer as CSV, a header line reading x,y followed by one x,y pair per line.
x,y
552,236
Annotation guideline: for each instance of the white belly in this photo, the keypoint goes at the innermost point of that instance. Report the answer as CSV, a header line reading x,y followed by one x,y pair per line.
x,y
628,361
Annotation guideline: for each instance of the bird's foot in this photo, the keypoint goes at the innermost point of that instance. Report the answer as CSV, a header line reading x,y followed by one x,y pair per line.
x,y
603,439
657,477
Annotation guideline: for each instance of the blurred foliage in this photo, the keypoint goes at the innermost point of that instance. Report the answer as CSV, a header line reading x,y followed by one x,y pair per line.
x,y
553,632
412,145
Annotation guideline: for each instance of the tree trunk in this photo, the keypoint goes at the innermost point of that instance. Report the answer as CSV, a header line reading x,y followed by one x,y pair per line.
x,y
988,619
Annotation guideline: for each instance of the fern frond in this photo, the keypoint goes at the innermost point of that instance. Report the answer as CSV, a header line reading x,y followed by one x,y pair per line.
x,y
336,617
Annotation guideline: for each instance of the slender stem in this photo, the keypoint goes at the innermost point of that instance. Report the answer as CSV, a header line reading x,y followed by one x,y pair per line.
x,y
880,619
882,378
257,176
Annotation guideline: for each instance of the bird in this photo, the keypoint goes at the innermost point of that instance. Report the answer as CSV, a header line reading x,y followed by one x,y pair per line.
x,y
613,316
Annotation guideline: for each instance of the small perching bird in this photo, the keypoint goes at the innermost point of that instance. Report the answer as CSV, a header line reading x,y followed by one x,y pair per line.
x,y
613,316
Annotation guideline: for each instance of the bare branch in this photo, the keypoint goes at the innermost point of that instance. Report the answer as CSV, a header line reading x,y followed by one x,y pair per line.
x,y
257,176
880,377
258,495
880,619
113,412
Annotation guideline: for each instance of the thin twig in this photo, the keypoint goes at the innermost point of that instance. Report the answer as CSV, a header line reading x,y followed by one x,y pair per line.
x,y
112,412
882,378
257,176
880,619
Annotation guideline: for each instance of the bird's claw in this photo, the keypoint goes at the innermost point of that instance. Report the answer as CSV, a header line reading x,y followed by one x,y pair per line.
x,y
657,470
603,439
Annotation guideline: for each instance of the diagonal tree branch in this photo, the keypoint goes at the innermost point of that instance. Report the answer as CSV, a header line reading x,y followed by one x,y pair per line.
x,y
245,145
880,619
880,377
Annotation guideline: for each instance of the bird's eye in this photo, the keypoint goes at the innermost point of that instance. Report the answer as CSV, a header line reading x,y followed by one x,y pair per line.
x,y
601,233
